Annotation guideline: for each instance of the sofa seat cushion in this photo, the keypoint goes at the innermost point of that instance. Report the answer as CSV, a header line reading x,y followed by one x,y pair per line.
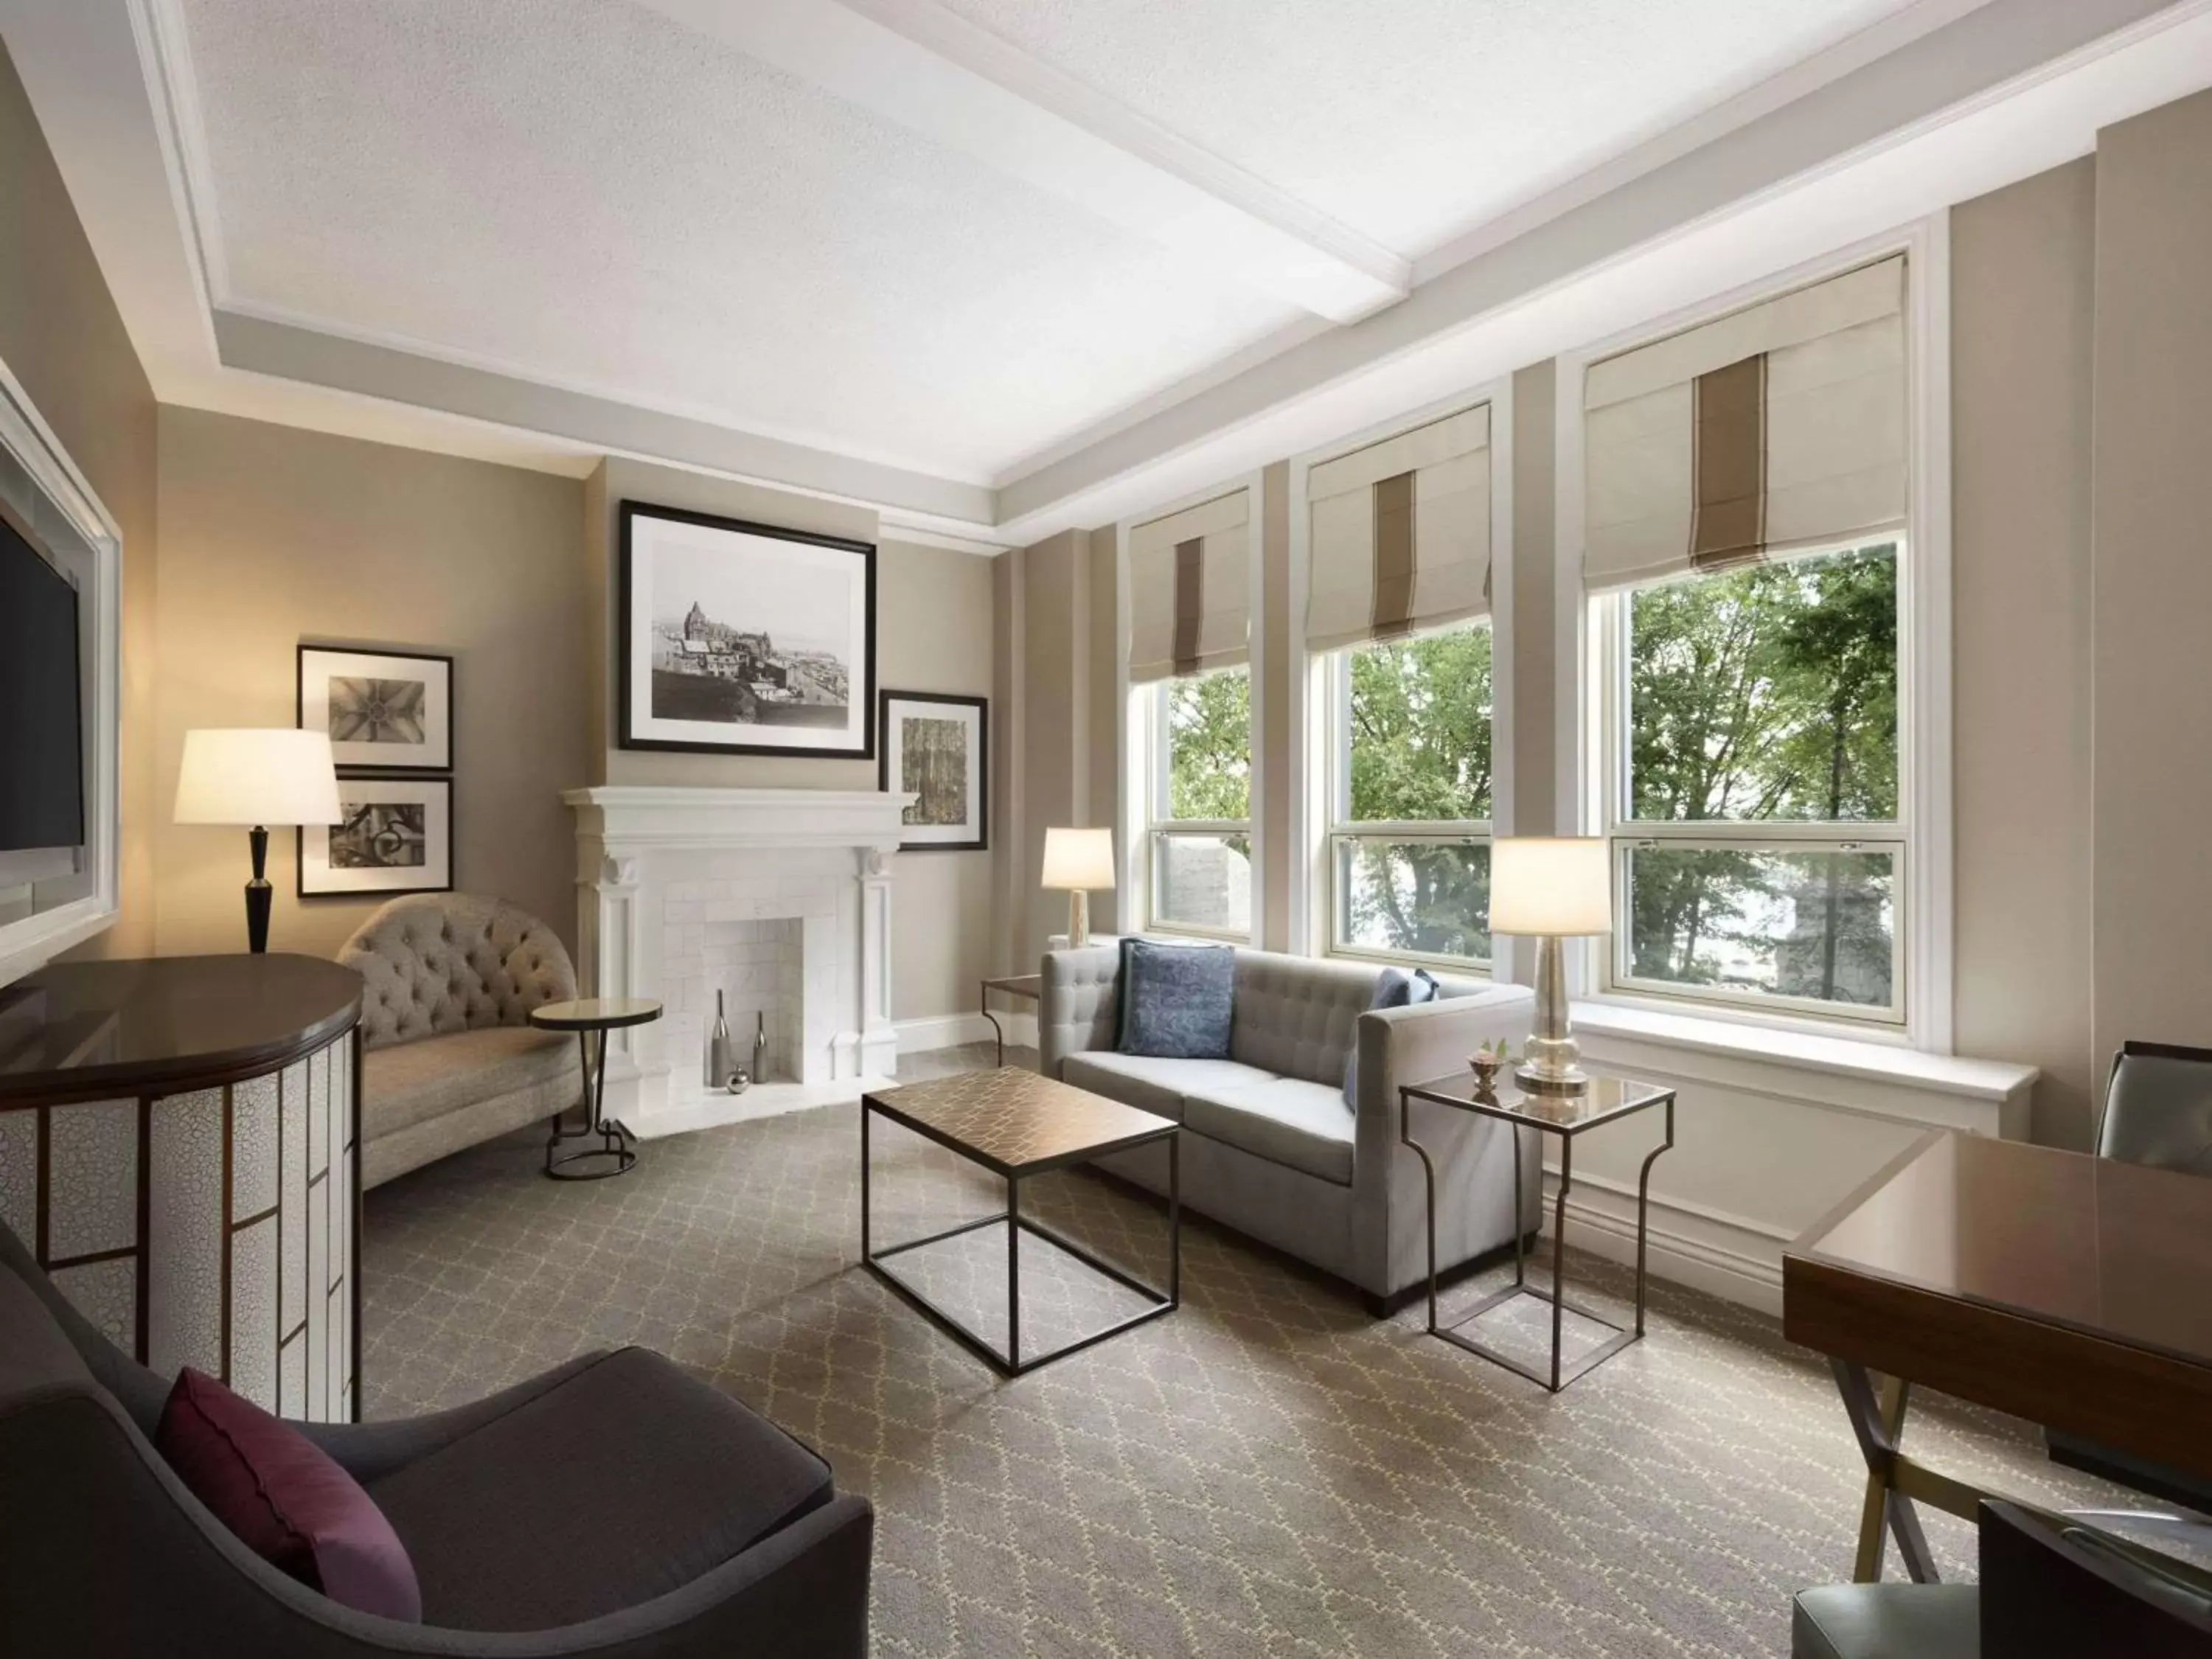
x,y
410,1083
1286,1119
626,1481
1154,1083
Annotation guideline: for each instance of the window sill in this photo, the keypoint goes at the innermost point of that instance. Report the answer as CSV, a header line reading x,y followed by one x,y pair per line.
x,y
1875,1079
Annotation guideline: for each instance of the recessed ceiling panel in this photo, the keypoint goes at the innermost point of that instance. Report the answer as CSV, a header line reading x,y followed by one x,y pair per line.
x,y
582,192
1416,120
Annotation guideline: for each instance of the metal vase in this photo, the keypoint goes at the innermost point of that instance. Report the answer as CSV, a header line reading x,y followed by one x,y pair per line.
x,y
718,1066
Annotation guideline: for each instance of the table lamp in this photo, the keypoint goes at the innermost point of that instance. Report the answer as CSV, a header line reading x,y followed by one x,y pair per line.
x,y
1077,861
1552,887
256,776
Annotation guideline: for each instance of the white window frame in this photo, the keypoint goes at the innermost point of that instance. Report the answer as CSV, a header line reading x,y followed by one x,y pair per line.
x,y
1320,799
1140,720
1588,627
1609,621
1160,827
1335,668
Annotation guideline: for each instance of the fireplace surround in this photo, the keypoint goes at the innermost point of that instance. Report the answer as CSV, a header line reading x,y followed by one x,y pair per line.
x,y
780,897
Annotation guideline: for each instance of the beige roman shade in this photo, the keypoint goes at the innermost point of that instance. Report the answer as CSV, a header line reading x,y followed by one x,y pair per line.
x,y
1772,430
1190,590
1401,533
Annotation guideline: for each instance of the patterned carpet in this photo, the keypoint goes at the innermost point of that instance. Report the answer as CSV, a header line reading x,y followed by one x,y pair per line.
x,y
1266,1471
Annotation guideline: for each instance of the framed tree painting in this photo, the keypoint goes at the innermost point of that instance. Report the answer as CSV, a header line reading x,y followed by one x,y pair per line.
x,y
394,835
393,710
937,749
744,639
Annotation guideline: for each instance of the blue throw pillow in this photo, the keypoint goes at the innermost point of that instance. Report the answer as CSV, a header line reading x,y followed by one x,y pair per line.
x,y
1394,988
1177,1000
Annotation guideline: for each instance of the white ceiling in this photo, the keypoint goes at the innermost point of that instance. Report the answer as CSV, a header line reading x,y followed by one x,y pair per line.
x,y
1413,121
995,267
587,193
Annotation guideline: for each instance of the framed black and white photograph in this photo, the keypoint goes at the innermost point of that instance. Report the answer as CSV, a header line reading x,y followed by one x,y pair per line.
x,y
936,748
743,638
394,835
393,710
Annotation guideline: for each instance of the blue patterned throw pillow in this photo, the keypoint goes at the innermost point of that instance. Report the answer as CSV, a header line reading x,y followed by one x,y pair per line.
x,y
1177,1000
1394,988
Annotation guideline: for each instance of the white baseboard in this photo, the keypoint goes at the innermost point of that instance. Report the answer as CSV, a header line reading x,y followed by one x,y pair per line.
x,y
1727,1256
950,1030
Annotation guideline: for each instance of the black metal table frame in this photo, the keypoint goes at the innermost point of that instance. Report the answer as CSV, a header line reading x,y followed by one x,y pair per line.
x,y
1004,988
1011,1363
1555,1298
615,1140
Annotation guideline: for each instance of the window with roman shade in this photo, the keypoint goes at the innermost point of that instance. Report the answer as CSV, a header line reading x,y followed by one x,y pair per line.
x,y
1748,495
1775,430
1190,590
1399,534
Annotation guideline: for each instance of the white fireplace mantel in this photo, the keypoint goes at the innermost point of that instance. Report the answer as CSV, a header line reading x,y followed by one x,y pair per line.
x,y
659,868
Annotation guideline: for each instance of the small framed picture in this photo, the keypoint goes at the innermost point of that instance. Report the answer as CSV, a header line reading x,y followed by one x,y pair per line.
x,y
937,749
393,710
744,639
394,835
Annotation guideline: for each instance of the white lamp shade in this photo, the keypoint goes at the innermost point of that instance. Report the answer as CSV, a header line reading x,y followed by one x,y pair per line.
x,y
257,774
1554,884
1078,861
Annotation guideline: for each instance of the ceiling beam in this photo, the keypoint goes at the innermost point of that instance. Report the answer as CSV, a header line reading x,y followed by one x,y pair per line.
x,y
914,63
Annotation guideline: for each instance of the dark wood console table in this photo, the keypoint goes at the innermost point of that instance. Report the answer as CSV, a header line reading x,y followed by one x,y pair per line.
x,y
179,1144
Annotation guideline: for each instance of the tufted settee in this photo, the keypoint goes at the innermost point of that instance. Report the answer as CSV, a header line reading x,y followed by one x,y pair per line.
x,y
1269,1147
449,1056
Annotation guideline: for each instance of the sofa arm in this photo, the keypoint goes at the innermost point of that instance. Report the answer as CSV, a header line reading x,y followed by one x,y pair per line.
x,y
1079,1004
1476,1207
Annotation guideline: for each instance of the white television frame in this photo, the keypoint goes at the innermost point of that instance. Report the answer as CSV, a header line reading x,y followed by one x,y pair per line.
x,y
31,942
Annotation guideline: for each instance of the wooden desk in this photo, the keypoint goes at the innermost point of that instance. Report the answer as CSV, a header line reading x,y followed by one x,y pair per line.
x,y
2074,1291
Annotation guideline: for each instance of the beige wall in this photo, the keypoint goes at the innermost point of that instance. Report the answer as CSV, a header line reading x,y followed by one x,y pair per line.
x,y
1055,603
934,633
1535,601
64,341
1282,862
2151,455
2023,284
276,536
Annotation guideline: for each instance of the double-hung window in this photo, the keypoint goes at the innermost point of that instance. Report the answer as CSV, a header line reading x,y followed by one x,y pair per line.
x,y
1408,864
1398,601
1191,709
1746,552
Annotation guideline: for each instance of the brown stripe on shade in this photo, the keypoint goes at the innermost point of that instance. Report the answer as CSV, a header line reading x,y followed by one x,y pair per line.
x,y
1728,427
1189,602
1393,614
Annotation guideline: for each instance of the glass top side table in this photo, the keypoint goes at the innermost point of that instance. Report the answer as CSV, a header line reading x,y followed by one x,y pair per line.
x,y
1607,1099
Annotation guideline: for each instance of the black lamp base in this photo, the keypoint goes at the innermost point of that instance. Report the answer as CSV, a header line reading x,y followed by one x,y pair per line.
x,y
259,893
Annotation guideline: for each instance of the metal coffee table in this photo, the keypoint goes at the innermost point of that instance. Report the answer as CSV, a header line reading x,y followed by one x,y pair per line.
x,y
1016,1124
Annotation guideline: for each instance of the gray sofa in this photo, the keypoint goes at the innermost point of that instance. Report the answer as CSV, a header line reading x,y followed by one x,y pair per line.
x,y
615,1506
1269,1147
449,1057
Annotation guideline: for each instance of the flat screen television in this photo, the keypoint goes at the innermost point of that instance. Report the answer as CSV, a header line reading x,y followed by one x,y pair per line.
x,y
41,722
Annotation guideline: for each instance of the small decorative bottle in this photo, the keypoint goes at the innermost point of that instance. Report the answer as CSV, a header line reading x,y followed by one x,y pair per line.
x,y
760,1047
718,1049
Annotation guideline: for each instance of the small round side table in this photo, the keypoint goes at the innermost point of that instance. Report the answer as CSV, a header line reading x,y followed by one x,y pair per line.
x,y
583,1016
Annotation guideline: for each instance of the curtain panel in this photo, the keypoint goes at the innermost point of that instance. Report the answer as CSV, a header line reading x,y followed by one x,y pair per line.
x,y
1775,430
1399,534
1190,590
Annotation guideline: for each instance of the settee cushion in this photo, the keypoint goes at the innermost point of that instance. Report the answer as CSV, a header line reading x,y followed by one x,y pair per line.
x,y
1286,1119
413,1082
1154,1083
626,1481
1177,1000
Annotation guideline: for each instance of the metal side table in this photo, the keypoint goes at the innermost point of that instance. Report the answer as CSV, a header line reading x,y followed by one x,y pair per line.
x,y
1605,1100
1025,987
583,1016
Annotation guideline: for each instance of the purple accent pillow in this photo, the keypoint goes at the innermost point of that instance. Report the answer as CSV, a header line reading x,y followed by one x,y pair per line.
x,y
285,1499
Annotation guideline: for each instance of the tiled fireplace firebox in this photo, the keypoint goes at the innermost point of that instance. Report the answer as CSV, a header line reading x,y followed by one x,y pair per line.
x,y
780,898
